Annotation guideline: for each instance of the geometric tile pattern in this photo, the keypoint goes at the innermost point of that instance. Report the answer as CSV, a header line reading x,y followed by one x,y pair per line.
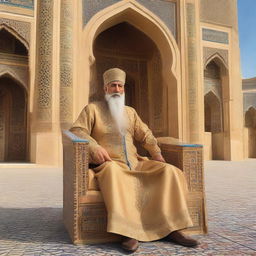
x,y
31,215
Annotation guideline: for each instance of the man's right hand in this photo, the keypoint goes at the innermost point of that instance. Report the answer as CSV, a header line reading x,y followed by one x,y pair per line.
x,y
100,155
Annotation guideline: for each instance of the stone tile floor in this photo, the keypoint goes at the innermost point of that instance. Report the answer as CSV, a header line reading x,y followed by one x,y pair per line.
x,y
31,214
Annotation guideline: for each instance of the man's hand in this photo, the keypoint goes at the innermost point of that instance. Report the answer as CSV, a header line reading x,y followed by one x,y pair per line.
x,y
100,155
158,157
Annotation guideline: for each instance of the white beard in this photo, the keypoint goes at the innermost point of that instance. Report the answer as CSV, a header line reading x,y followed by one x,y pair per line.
x,y
116,106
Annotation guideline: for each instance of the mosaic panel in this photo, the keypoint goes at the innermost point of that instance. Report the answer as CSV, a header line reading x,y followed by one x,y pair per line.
x,y
91,7
165,10
44,60
22,28
215,36
19,3
66,62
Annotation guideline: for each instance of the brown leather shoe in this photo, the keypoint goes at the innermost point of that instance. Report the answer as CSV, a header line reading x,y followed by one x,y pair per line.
x,y
179,238
130,244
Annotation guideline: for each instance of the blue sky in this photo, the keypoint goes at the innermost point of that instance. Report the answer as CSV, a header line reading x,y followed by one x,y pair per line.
x,y
247,35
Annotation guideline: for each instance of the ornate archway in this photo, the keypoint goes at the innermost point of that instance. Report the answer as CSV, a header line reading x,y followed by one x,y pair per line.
x,y
13,96
217,110
10,32
250,124
141,19
13,120
128,48
213,124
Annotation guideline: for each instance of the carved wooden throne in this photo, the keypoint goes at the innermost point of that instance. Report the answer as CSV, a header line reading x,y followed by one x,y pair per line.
x,y
84,213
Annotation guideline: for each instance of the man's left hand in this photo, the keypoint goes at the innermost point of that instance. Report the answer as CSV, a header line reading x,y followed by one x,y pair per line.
x,y
158,157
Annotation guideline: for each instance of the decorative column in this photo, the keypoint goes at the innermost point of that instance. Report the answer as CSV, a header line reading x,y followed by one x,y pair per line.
x,y
46,136
66,63
193,75
44,52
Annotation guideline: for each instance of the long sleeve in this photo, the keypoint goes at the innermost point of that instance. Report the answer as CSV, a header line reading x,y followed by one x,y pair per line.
x,y
143,134
83,126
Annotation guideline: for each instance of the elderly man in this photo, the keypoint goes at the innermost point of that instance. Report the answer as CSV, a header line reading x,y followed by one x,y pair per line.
x,y
145,199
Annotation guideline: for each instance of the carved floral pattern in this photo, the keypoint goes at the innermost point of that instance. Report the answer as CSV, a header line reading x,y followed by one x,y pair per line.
x,y
66,54
22,28
44,60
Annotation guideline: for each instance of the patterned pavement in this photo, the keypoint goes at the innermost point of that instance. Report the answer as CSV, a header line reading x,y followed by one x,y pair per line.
x,y
31,215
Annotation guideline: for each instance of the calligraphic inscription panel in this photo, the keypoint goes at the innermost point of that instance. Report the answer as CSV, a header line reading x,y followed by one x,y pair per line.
x,y
215,36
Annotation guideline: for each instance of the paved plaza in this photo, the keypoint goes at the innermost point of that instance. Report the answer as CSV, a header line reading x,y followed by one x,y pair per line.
x,y
31,214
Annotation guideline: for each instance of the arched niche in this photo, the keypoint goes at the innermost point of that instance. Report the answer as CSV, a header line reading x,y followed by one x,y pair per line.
x,y
128,48
144,22
11,43
216,105
13,120
250,118
250,123
13,99
213,113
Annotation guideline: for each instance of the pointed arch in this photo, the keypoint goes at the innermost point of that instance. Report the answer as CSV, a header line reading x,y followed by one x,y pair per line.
x,y
213,113
212,95
13,76
16,34
144,20
250,108
214,125
14,135
138,16
218,59
250,117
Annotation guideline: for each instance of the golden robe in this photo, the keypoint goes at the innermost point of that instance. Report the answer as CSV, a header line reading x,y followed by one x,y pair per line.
x,y
145,199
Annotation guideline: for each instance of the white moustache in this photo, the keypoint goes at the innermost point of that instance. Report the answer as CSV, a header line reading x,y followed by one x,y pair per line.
x,y
116,94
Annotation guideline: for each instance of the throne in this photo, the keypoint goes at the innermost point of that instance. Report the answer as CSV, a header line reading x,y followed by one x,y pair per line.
x,y
84,212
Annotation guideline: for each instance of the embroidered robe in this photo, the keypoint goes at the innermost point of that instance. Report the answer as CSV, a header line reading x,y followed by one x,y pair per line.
x,y
145,199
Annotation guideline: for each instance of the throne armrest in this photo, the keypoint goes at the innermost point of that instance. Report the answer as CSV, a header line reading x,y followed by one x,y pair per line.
x,y
75,166
75,161
187,157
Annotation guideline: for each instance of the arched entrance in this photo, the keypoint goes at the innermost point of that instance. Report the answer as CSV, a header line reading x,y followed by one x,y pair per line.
x,y
128,48
213,109
250,123
13,121
13,97
213,124
154,74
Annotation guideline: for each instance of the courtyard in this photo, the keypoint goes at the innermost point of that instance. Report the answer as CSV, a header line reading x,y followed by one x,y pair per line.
x,y
31,214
